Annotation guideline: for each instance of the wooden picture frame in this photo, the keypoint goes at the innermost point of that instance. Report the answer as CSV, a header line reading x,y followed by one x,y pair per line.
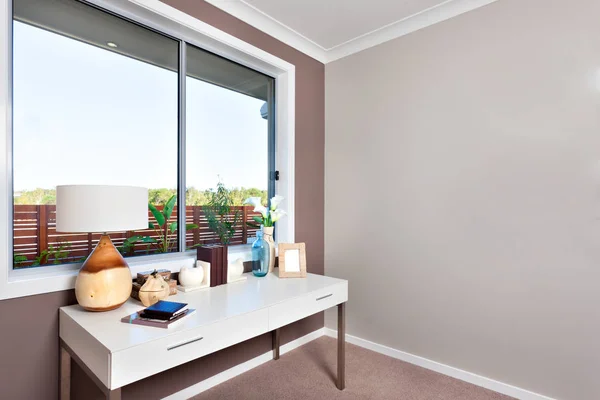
x,y
292,260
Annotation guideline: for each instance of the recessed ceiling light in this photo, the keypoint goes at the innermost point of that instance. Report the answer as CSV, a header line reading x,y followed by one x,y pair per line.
x,y
112,44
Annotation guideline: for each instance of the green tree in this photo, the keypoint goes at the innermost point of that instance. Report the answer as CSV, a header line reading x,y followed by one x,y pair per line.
x,y
195,197
160,196
222,220
36,196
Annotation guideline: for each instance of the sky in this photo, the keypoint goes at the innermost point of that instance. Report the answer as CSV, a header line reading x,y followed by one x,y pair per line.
x,y
85,115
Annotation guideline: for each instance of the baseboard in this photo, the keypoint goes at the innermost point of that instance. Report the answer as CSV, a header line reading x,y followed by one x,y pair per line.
x,y
466,376
239,369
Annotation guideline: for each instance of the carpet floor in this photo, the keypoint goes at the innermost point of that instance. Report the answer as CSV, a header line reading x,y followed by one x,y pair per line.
x,y
308,372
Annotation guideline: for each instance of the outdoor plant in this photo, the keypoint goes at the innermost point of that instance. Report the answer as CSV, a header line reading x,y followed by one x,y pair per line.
x,y
268,215
164,229
19,260
218,212
58,254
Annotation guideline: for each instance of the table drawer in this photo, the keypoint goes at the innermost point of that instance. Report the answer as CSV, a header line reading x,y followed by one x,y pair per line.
x,y
301,307
159,355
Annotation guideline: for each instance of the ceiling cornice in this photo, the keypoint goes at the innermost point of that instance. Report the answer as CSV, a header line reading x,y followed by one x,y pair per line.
x,y
252,16
261,21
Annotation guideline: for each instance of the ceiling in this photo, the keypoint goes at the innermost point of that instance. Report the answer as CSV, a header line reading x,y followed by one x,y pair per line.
x,y
331,29
87,24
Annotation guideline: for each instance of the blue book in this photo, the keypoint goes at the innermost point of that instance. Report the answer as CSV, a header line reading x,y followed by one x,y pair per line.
x,y
137,319
165,310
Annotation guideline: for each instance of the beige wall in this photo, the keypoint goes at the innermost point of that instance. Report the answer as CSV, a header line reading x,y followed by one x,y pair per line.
x,y
462,194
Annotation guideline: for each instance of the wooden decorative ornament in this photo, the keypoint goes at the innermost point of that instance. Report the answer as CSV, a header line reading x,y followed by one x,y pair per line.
x,y
154,290
104,280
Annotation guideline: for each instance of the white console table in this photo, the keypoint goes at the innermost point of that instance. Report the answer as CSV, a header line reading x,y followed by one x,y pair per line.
x,y
115,354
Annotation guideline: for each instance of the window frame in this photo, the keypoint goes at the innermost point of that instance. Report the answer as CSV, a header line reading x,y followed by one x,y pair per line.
x,y
187,29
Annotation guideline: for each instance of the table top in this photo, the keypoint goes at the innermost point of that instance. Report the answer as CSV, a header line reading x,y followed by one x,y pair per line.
x,y
212,305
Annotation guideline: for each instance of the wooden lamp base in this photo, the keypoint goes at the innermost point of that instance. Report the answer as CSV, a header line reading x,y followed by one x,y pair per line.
x,y
104,281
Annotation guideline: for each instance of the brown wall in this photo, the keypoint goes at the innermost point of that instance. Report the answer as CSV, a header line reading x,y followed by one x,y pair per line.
x,y
29,326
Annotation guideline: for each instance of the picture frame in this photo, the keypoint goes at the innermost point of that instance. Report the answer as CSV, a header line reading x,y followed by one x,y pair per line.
x,y
292,260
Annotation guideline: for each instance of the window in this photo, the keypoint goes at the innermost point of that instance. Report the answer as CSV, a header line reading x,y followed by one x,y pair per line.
x,y
98,99
228,138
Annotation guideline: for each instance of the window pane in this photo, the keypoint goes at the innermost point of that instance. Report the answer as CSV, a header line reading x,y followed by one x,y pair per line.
x,y
87,112
227,141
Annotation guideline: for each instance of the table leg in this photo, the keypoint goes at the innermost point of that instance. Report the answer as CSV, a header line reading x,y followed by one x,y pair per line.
x,y
341,374
114,394
276,344
65,374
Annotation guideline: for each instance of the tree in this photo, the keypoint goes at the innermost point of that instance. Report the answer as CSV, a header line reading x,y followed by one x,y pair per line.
x,y
218,211
160,196
194,197
36,196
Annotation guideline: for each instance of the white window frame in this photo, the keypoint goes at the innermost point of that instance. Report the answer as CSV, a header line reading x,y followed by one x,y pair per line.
x,y
166,19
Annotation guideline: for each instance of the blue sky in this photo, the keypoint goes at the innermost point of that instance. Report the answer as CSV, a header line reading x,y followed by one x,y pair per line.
x,y
86,115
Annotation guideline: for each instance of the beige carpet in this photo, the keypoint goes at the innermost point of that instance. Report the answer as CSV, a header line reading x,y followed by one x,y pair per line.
x,y
309,373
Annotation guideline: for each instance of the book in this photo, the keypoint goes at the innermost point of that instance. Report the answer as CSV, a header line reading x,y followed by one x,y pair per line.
x,y
137,319
208,253
219,264
165,309
160,318
216,255
224,266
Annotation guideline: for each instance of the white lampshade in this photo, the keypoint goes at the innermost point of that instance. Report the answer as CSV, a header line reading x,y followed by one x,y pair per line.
x,y
101,208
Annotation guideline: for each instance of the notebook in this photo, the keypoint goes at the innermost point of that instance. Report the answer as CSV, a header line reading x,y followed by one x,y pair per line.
x,y
137,319
164,310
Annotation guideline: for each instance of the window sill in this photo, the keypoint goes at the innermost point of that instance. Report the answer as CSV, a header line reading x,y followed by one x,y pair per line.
x,y
32,281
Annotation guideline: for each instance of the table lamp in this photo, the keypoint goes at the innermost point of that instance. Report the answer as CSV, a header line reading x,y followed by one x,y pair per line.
x,y
104,280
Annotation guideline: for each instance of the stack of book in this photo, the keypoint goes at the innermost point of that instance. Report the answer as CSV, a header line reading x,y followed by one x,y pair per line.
x,y
163,314
216,255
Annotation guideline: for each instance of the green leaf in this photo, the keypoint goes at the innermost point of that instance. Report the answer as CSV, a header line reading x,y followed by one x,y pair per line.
x,y
173,227
19,258
168,210
160,218
190,226
132,240
258,220
150,225
148,239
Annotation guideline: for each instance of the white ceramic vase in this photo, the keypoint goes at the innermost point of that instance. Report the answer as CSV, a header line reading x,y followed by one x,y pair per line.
x,y
268,237
191,277
235,270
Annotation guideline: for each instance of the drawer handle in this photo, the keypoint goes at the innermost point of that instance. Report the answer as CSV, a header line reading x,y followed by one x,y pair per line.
x,y
324,297
184,343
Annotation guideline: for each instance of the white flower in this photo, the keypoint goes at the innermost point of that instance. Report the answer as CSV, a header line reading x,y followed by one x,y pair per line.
x,y
277,214
255,201
261,209
275,201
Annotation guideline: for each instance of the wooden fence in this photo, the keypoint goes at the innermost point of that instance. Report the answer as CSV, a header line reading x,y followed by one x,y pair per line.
x,y
35,237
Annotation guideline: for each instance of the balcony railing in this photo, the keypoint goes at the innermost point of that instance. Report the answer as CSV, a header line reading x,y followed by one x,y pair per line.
x,y
36,239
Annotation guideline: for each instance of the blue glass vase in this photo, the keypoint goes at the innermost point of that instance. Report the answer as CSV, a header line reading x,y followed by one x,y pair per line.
x,y
260,255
